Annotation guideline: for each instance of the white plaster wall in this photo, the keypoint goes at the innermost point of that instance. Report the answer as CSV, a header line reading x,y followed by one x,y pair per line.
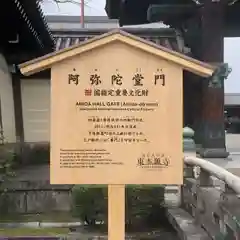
x,y
36,109
7,104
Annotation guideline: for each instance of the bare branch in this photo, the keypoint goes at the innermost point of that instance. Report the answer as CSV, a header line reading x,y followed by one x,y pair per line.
x,y
67,1
76,2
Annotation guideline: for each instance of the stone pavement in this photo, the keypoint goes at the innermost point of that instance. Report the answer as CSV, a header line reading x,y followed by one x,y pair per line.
x,y
233,143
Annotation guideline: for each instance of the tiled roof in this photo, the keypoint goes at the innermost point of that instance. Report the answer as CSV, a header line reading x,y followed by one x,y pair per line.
x,y
165,37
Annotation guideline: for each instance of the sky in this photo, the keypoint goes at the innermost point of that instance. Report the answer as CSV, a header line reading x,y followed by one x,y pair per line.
x,y
96,8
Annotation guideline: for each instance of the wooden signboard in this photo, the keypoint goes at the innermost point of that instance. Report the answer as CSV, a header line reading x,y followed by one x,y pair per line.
x,y
116,115
120,122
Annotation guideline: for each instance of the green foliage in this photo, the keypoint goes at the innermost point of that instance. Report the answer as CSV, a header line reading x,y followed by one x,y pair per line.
x,y
7,157
144,204
39,155
7,164
89,204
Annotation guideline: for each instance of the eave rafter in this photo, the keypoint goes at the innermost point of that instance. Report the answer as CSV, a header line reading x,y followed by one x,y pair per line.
x,y
28,22
44,20
26,18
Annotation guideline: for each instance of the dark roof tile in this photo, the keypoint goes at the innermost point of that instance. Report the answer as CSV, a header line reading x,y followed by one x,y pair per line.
x,y
164,37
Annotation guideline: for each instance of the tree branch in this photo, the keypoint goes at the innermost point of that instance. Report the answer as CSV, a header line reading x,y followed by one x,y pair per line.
x,y
76,2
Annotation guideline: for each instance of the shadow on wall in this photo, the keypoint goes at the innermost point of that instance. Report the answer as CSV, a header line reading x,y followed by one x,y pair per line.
x,y
35,154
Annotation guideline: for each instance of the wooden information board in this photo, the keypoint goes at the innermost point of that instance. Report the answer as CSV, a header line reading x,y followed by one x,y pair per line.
x,y
116,115
120,122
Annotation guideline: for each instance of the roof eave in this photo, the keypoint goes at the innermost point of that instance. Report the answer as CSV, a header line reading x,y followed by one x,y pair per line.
x,y
188,63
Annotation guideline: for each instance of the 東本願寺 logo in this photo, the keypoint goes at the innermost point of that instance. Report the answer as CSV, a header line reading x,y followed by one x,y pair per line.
x,y
153,160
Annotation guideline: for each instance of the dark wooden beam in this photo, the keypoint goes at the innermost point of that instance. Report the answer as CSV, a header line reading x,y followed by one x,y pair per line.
x,y
212,31
112,8
175,13
17,97
167,12
19,56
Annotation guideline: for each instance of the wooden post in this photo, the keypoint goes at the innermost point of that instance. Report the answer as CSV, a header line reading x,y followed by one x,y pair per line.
x,y
116,212
213,132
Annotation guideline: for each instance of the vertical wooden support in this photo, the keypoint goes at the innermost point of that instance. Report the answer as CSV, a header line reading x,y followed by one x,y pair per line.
x,y
18,113
213,138
116,212
1,125
17,96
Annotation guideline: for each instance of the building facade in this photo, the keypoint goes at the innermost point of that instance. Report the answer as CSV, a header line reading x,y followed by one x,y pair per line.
x,y
26,36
